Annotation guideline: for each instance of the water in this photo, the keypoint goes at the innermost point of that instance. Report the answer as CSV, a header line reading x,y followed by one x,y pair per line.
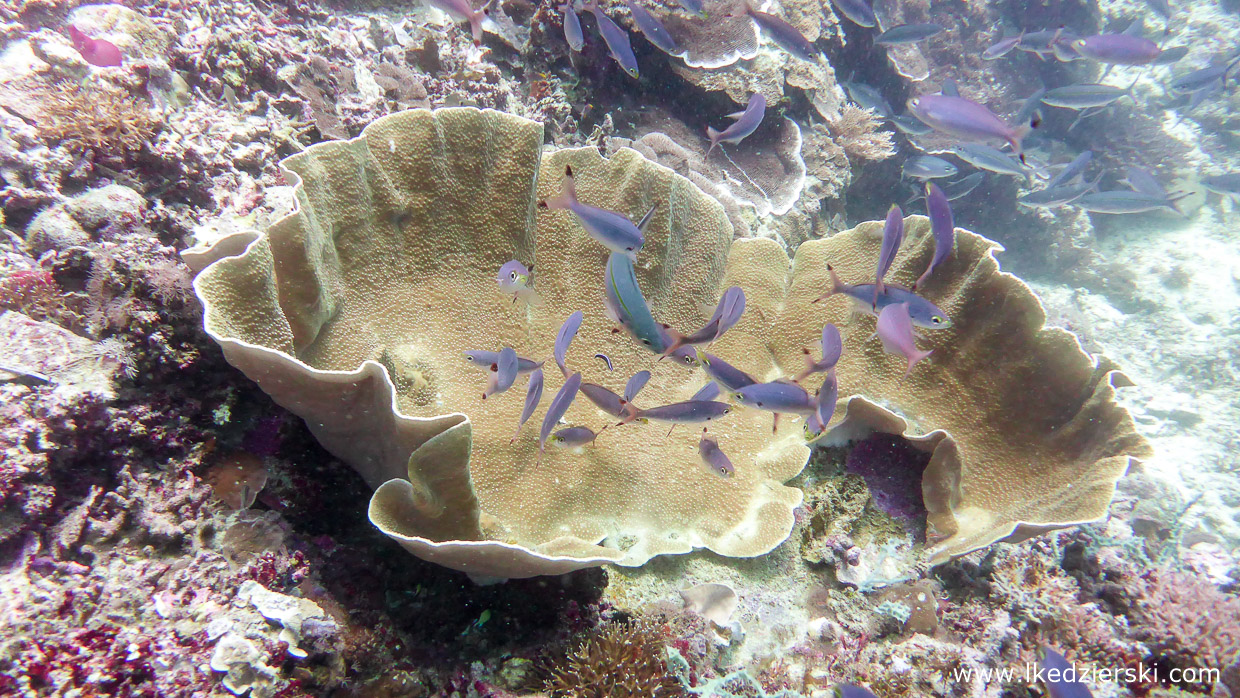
x,y
242,451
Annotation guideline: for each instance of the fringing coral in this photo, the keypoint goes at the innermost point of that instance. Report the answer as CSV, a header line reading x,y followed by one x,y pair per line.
x,y
618,660
89,117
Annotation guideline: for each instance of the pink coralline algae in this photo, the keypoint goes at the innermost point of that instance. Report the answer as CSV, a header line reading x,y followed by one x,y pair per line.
x,y
892,470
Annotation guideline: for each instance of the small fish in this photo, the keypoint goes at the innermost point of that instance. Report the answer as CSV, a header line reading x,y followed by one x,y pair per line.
x,y
514,278
1042,42
924,313
1119,49
710,391
573,34
486,359
568,331
859,11
965,119
1062,195
832,348
533,395
607,360
625,299
97,52
907,34
828,395
504,374
847,690
893,235
1225,184
694,6
909,125
688,412
727,313
723,373
776,397
1083,96
928,167
714,458
605,399
1144,182
747,122
686,356
1060,677
1117,202
963,186
652,28
614,230
1072,169
985,157
574,436
943,227
1203,78
617,39
635,385
1001,48
559,405
788,37
868,98
461,10
895,329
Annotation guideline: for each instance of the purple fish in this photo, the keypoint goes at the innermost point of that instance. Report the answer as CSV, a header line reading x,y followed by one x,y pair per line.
x,y
832,349
559,405
688,412
942,225
895,329
504,373
787,36
859,11
686,356
723,373
488,359
567,331
727,313
713,457
1061,678
776,397
97,52
1001,48
1122,49
965,119
893,235
824,409
635,385
533,395
574,436
514,278
710,391
924,313
605,399
614,230
572,27
747,122
617,39
847,690
652,28
461,10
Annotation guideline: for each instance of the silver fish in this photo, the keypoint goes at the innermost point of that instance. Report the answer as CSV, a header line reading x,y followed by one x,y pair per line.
x,y
963,186
1030,109
1144,182
1117,202
1203,78
943,227
907,34
505,373
1061,195
714,458
572,27
893,235
1072,169
965,119
559,405
859,11
868,98
1170,55
924,313
652,28
776,397
617,39
909,125
1001,47
533,395
1119,49
928,167
635,385
688,412
1083,96
486,359
723,373
694,6
788,37
625,299
574,436
895,329
746,123
949,88
1225,184
568,330
991,159
614,230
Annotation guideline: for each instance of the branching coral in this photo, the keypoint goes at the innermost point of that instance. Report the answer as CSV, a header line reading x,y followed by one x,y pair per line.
x,y
1188,620
90,117
857,131
618,660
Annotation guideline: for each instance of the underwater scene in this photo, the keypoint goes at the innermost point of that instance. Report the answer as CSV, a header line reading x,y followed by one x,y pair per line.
x,y
620,348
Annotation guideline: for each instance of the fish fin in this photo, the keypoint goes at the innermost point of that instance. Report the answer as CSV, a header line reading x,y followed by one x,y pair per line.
x,y
915,358
646,218
837,286
714,138
530,296
736,115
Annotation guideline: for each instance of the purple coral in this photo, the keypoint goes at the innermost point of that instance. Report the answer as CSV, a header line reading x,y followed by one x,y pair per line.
x,y
892,469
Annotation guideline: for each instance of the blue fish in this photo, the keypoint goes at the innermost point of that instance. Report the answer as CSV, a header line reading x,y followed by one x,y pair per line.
x,y
559,405
617,39
635,385
505,373
923,312
942,226
723,373
572,27
893,235
1060,677
574,436
533,395
652,28
614,230
625,299
747,122
776,397
713,457
567,331
688,412
832,348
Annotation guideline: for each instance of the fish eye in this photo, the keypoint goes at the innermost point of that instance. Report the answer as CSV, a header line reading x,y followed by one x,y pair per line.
x,y
937,320
727,410
646,342
759,404
628,249
514,276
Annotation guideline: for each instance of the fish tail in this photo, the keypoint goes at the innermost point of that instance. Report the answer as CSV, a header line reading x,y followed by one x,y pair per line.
x,y
915,358
837,286
678,341
713,135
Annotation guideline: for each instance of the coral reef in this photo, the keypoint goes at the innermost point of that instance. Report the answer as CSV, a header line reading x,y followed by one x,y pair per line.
x,y
616,660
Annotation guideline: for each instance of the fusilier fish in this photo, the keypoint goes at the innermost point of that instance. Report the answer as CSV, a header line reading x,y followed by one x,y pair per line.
x,y
924,313
574,436
787,36
635,384
942,226
714,458
688,412
625,300
652,28
568,330
1062,195
985,157
725,374
1072,169
832,347
1118,202
746,122
910,125
963,186
895,329
965,119
778,396
868,98
908,34
461,10
1120,49
559,405
1001,47
859,11
1225,184
694,6
1144,182
486,359
504,374
572,27
1083,96
614,230
893,235
617,39
533,395
928,167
